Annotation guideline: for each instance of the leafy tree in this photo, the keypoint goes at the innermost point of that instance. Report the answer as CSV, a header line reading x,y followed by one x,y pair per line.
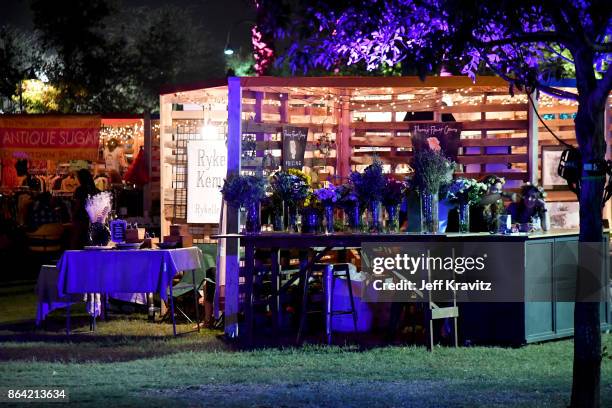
x,y
524,42
20,57
105,58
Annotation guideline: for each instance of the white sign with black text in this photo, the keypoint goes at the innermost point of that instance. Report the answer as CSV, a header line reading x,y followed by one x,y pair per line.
x,y
206,170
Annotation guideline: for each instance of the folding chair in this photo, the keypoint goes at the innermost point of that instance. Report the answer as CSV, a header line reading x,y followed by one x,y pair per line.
x,y
195,279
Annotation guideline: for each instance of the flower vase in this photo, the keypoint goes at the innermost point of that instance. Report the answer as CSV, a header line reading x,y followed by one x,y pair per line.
x,y
279,218
353,214
310,221
374,216
253,221
464,217
99,234
329,219
429,213
392,218
292,218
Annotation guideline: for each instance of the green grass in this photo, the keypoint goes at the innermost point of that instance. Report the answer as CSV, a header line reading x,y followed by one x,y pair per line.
x,y
131,362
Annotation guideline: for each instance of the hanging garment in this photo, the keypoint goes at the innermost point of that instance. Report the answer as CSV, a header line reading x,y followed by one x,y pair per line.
x,y
138,173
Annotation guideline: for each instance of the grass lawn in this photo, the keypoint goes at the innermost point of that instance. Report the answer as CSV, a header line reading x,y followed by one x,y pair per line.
x,y
131,362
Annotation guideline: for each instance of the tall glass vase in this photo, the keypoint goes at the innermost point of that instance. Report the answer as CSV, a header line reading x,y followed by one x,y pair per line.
x,y
374,216
392,218
464,217
292,218
353,215
253,220
329,218
429,213
278,217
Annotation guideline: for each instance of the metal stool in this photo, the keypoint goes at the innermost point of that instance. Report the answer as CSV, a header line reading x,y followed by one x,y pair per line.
x,y
329,275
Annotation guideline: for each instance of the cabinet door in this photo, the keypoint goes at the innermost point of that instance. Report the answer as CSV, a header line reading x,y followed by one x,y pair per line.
x,y
539,323
565,270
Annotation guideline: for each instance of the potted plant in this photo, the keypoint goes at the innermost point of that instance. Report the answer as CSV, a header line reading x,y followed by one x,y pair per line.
x,y
245,192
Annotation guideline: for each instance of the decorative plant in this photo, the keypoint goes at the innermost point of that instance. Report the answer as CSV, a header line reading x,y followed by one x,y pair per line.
x,y
238,190
99,206
393,192
327,195
432,167
347,196
466,191
369,185
290,186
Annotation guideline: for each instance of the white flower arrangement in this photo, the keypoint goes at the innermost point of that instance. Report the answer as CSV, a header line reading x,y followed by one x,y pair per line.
x,y
466,191
99,206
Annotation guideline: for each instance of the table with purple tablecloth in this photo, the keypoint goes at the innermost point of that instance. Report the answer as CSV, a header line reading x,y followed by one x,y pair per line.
x,y
125,271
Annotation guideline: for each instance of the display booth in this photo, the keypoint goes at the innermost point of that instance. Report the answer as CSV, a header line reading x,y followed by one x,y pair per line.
x,y
242,125
51,148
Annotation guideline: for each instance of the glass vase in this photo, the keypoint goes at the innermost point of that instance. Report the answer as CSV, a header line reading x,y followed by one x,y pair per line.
x,y
99,234
374,216
329,219
253,220
310,221
429,213
278,219
353,214
392,218
292,218
464,217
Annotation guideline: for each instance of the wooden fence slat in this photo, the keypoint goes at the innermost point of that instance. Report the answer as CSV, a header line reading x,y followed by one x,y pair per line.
x,y
492,158
468,125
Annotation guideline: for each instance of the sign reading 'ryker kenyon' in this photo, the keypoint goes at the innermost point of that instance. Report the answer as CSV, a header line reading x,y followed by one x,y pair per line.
x,y
206,169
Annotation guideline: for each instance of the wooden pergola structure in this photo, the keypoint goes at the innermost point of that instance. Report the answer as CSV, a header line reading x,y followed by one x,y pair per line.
x,y
350,119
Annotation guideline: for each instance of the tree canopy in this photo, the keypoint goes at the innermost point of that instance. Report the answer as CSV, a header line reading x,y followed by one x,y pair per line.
x,y
96,56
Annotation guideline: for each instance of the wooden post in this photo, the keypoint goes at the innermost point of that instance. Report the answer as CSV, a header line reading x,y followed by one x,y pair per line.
x,y
607,212
343,137
165,175
232,221
146,205
532,136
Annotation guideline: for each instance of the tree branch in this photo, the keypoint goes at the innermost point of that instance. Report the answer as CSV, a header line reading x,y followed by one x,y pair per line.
x,y
540,36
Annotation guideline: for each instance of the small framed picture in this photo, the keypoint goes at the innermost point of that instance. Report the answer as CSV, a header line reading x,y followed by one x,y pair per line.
x,y
550,164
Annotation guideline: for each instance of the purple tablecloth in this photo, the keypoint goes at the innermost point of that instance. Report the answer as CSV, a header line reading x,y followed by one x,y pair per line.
x,y
131,271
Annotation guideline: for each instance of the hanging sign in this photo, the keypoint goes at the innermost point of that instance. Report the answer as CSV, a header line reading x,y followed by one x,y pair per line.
x,y
294,146
206,170
447,133
50,137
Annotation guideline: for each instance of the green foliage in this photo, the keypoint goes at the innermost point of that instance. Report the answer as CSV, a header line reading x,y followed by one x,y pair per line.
x,y
432,169
241,190
290,187
369,185
20,57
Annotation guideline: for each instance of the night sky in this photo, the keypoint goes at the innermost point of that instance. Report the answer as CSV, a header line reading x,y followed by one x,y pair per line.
x,y
216,16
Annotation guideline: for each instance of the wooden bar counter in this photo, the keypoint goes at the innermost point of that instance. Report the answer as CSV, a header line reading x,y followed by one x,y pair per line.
x,y
514,323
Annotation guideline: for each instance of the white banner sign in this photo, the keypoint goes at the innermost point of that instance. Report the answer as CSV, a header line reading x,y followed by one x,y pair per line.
x,y
206,169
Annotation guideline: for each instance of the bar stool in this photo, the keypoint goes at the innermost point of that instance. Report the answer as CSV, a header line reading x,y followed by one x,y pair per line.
x,y
329,279
330,273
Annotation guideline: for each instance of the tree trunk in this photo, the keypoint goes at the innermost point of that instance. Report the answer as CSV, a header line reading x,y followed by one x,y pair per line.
x,y
587,332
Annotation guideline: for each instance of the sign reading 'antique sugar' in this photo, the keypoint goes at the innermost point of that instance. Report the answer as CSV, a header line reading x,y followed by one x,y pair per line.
x,y
50,137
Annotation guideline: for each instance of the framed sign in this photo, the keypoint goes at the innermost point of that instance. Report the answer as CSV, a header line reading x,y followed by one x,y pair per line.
x,y
294,147
447,133
551,155
206,170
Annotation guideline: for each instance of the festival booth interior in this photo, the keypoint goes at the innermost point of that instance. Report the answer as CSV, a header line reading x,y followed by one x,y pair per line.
x,y
239,123
51,148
